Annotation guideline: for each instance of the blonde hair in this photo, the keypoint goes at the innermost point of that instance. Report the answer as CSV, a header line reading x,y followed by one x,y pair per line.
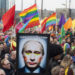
x,y
66,62
2,61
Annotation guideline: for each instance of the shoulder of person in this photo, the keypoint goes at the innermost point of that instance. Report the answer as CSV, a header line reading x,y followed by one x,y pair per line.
x,y
21,69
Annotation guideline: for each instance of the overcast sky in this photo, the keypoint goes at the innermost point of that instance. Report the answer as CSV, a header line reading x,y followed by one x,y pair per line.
x,y
47,4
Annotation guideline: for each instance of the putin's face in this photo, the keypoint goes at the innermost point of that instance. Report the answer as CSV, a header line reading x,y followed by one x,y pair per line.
x,y
32,54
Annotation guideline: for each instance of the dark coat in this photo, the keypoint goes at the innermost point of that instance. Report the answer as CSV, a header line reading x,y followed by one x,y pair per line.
x,y
9,72
52,63
22,70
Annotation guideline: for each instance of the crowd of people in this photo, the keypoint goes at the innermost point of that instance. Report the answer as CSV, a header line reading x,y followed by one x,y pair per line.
x,y
61,54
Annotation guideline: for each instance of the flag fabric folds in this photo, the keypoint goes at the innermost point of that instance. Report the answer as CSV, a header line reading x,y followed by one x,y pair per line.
x,y
51,20
73,25
68,24
23,27
18,27
43,28
48,21
8,19
28,14
62,35
62,32
50,28
62,21
13,44
43,21
43,25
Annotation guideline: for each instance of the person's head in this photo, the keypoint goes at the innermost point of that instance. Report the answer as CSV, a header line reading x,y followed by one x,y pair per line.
x,y
14,38
67,61
6,56
58,70
2,72
5,64
55,40
56,51
13,55
62,70
33,52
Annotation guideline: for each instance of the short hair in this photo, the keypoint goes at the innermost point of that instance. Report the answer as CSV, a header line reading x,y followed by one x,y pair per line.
x,y
35,41
2,61
55,70
13,52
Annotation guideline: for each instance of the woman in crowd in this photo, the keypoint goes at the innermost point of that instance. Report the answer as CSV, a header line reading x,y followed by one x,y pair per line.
x,y
66,63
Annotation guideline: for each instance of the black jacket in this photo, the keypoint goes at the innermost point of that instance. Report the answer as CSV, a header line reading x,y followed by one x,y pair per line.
x,y
22,70
9,72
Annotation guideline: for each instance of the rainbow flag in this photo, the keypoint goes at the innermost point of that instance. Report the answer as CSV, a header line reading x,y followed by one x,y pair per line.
x,y
50,28
28,14
23,28
51,20
43,25
66,46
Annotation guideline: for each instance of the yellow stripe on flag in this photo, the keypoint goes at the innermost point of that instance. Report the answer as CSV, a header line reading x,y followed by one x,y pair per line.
x,y
51,18
73,24
34,19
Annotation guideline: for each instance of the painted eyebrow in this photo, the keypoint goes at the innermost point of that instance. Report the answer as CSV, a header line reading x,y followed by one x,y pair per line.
x,y
37,52
28,51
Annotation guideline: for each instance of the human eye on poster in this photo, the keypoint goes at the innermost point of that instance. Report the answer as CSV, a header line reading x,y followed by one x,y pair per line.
x,y
32,53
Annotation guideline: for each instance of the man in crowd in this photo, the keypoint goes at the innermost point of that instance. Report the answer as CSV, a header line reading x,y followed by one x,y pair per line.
x,y
6,66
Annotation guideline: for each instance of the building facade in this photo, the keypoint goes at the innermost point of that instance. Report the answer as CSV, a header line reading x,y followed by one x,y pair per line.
x,y
5,5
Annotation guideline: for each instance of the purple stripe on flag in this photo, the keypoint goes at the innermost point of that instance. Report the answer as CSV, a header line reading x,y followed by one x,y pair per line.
x,y
28,18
